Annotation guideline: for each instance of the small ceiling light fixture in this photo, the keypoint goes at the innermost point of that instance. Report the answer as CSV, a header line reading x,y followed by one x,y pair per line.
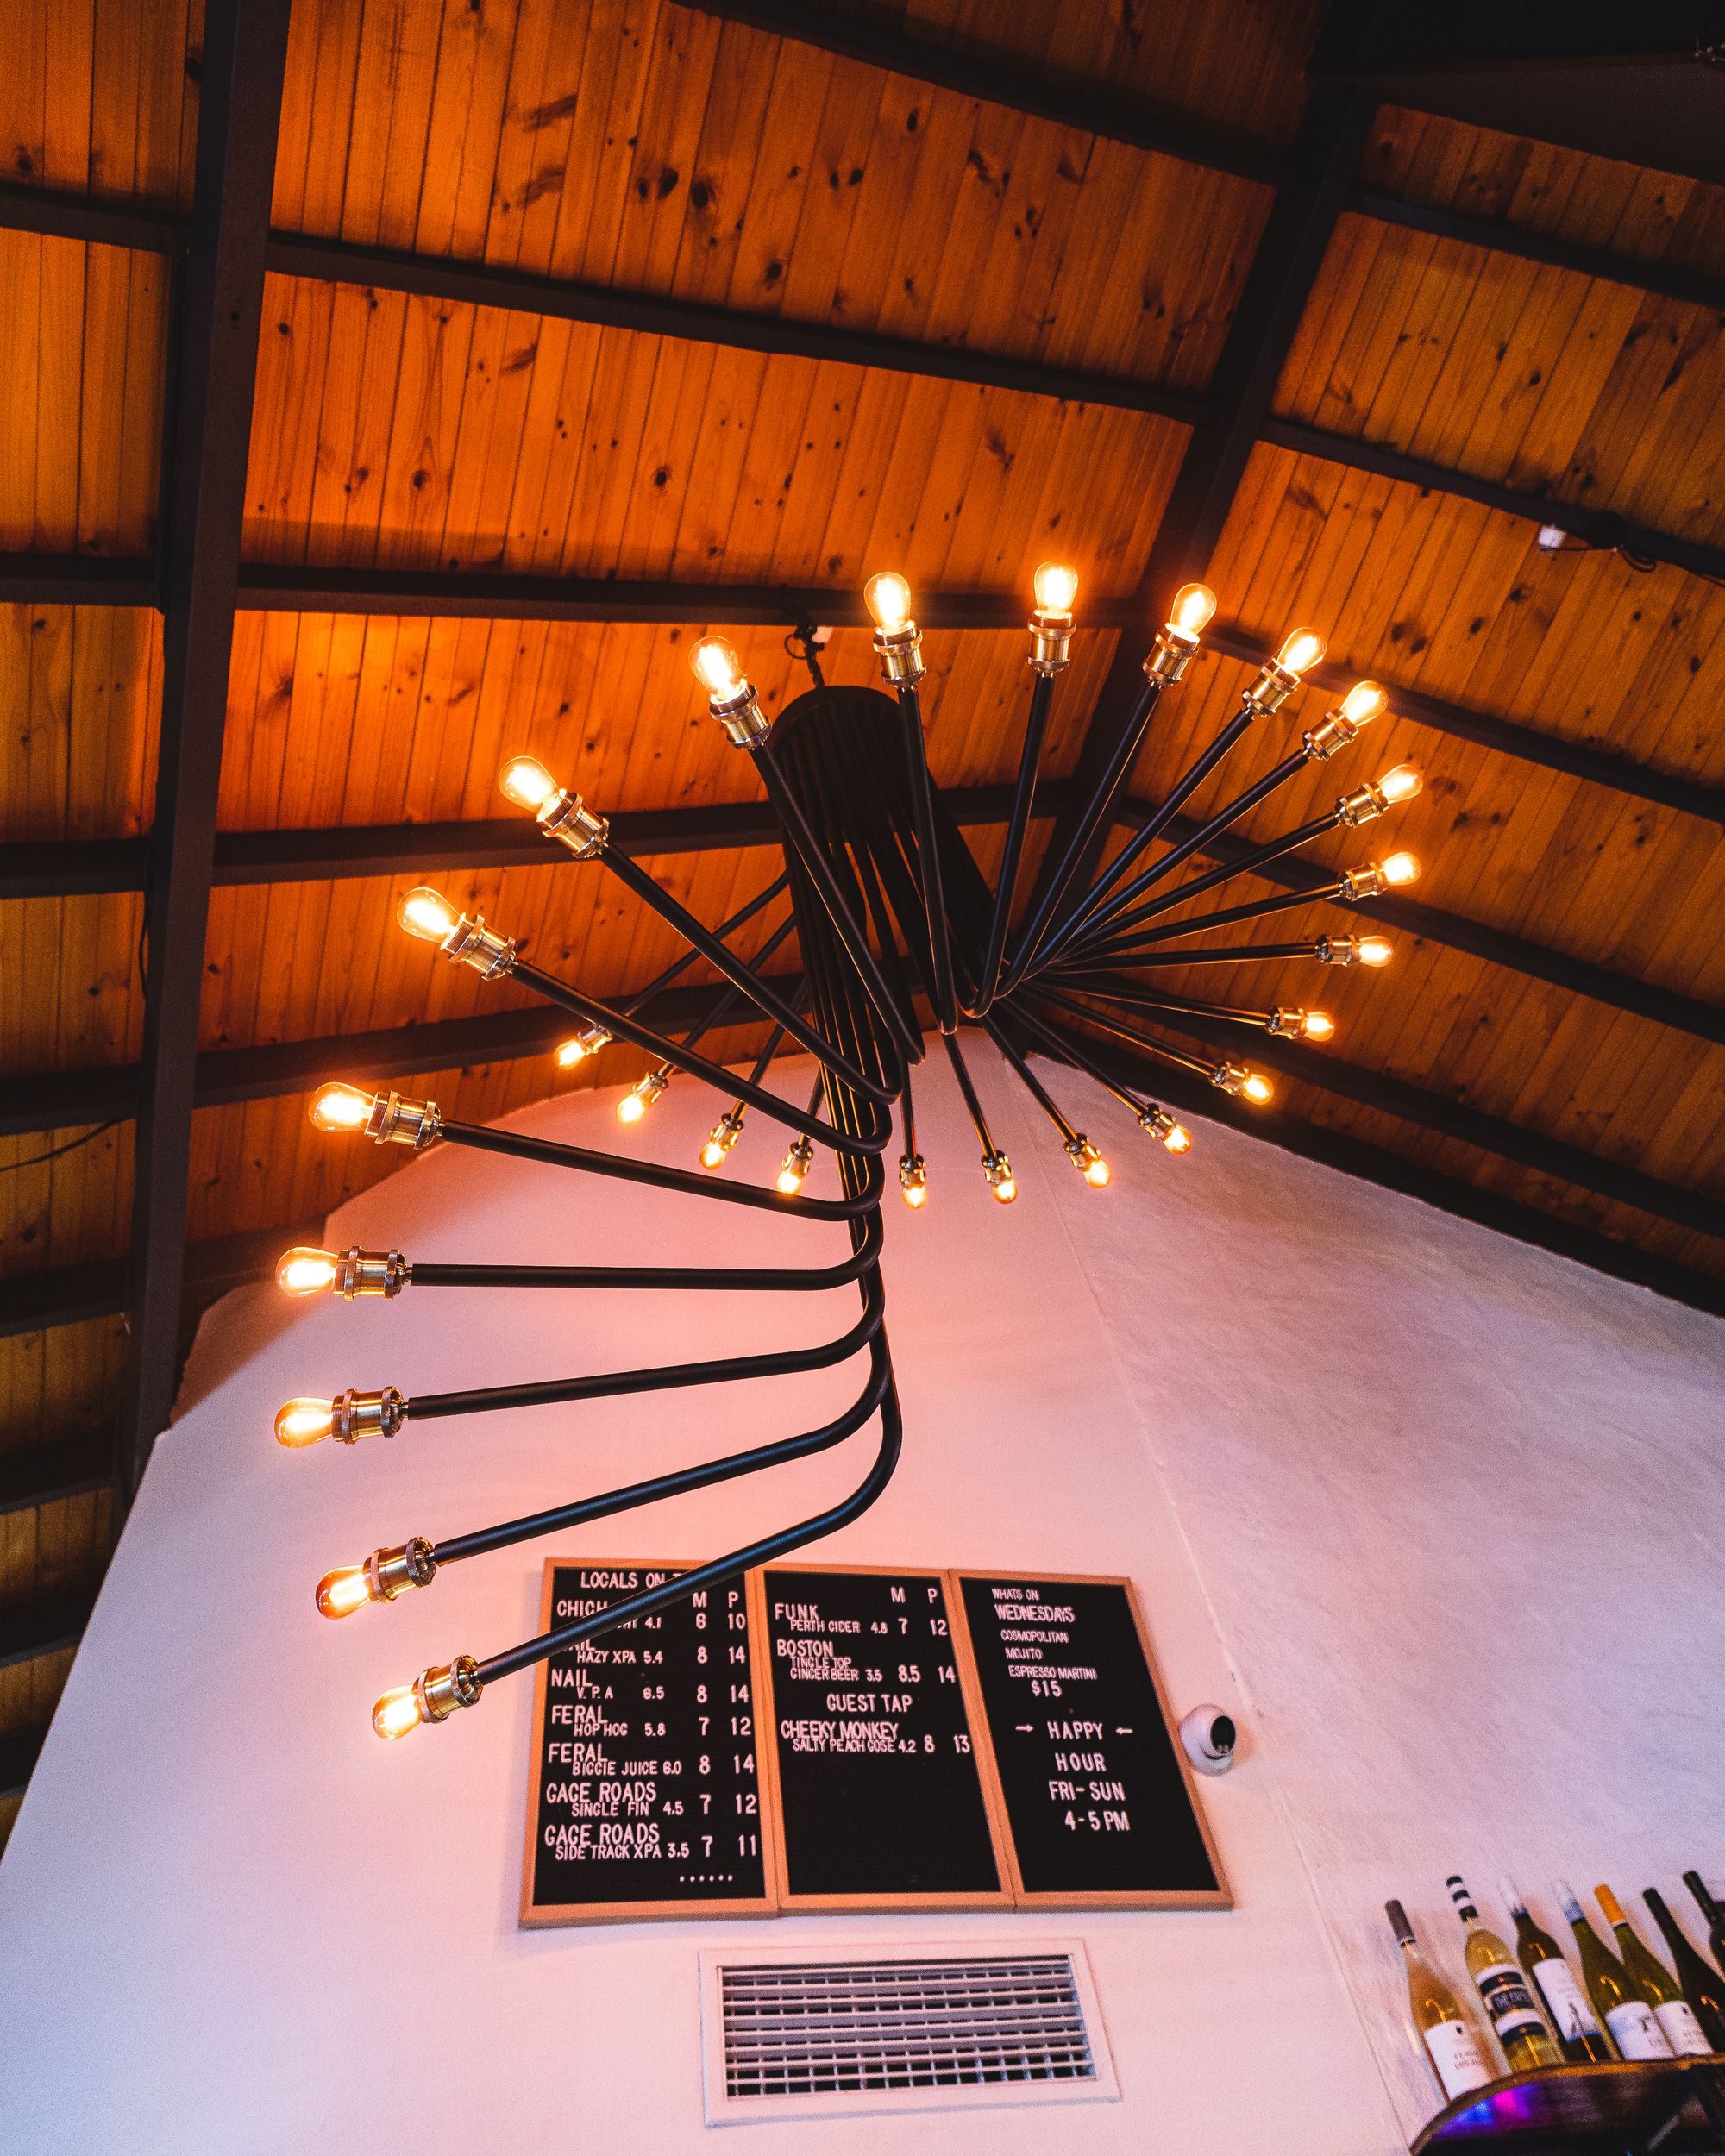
x,y
893,919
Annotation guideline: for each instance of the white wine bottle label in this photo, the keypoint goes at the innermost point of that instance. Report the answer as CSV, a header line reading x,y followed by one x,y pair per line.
x,y
1686,2036
1456,2055
1566,2001
1507,2000
1635,2031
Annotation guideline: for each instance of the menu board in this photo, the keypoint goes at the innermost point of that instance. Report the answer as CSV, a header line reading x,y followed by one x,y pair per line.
x,y
1097,1796
874,1759
644,1797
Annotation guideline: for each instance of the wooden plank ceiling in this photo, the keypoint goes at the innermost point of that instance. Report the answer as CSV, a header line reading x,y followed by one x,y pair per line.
x,y
643,149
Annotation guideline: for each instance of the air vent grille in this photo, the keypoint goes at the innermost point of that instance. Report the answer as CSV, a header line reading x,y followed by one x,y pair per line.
x,y
905,2032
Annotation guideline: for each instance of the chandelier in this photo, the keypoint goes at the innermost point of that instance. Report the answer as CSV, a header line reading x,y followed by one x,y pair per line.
x,y
890,912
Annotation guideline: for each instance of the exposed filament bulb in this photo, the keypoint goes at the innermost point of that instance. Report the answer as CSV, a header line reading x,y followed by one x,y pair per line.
x,y
997,1173
341,1108
1302,649
1374,951
1163,1126
717,668
432,1697
1056,586
888,597
385,1574
1399,869
304,1272
643,1095
526,782
721,1139
579,1046
1088,1161
794,1171
1400,783
428,914
344,1591
1236,1079
303,1422
1294,1025
913,1182
1192,612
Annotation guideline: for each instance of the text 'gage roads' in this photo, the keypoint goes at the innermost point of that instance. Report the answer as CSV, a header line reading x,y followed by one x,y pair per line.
x,y
874,1755
1096,1795
645,1798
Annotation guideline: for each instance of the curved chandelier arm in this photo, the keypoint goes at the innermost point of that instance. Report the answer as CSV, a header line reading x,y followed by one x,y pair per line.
x,y
1066,1049
723,1279
684,1181
1024,795
665,1377
1035,929
741,977
627,1029
820,871
679,967
1224,872
1201,1066
1118,947
1099,913
875,1393
941,993
1092,979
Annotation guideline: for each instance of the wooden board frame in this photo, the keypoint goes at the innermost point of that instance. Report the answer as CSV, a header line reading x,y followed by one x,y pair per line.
x,y
980,1751
535,1915
1106,1898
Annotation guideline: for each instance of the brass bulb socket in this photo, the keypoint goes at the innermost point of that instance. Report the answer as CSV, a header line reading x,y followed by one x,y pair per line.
x,y
913,1172
567,818
900,651
1363,883
470,942
1287,1022
1333,731
1336,951
1169,655
1361,805
394,1121
996,1169
1050,643
367,1414
1157,1121
742,718
438,1692
370,1273
1271,689
1229,1078
392,1572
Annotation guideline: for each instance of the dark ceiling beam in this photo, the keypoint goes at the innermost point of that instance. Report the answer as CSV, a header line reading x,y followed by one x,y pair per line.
x,y
1492,1134
206,441
1598,527
1283,272
48,1626
101,220
46,1474
1668,281
1576,759
1533,961
1394,1171
1086,106
83,866
72,579
485,284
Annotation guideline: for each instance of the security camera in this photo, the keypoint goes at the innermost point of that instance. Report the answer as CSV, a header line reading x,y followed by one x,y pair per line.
x,y
1210,1737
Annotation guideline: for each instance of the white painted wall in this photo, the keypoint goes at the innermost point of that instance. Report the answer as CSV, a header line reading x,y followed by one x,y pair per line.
x,y
1440,1515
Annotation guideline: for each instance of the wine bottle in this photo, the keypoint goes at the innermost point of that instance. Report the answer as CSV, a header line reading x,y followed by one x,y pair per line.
x,y
1713,1911
1630,2018
1450,2042
1657,1986
1580,2039
1702,1986
1515,2019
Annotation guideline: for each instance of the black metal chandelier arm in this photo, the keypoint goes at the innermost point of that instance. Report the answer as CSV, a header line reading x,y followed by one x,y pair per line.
x,y
721,1279
682,1481
941,991
679,967
516,1146
1046,911
1098,898
1201,1066
1224,872
1104,947
1078,976
663,1377
741,977
1018,827
820,871
1242,804
979,1121
1130,997
624,1028
1032,1084
1067,1048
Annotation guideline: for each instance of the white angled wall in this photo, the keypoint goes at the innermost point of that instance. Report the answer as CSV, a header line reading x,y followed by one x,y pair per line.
x,y
1439,1516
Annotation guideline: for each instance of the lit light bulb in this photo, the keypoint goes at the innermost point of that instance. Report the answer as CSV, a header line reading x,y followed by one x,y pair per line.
x,y
528,783
1088,1161
1363,702
303,1272
1160,1125
888,597
913,1181
643,1095
1374,951
1319,1025
793,1172
631,1108
397,1712
341,1108
1179,1139
428,914
915,1195
1194,608
303,1422
1056,586
997,1172
1400,784
1235,1078
723,1136
341,1593
1006,1190
1302,649
1257,1088
717,668
1400,867
713,1154
588,1042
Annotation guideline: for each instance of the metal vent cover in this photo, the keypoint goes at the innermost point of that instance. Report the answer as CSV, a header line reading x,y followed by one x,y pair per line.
x,y
820,2032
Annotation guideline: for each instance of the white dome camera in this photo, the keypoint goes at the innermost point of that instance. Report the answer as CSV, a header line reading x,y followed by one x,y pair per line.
x,y
1210,1737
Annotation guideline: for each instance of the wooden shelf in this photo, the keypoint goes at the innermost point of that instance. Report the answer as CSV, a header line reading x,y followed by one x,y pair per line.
x,y
1617,2110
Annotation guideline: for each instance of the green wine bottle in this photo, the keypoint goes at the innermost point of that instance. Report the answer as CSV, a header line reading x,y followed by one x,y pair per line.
x,y
1580,2038
1702,1986
1616,1995
1713,1911
1657,1986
